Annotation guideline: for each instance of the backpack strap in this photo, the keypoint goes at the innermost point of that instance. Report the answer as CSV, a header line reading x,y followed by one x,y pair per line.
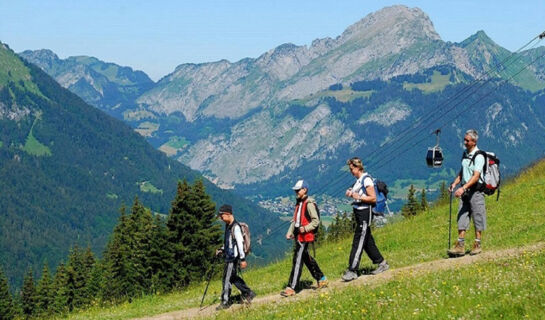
x,y
485,155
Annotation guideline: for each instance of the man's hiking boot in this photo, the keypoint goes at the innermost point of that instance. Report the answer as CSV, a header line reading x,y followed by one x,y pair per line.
x,y
349,275
458,250
249,297
476,248
322,283
383,266
288,292
223,306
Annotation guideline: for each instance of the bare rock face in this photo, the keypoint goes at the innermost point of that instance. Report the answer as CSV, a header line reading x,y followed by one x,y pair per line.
x,y
230,90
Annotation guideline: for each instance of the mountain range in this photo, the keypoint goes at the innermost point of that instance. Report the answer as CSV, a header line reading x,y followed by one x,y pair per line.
x,y
67,168
301,111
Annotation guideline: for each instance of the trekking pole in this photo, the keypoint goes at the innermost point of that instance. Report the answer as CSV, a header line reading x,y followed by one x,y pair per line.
x,y
210,273
449,221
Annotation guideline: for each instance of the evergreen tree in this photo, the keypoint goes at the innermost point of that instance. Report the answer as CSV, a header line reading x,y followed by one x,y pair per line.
x,y
139,231
443,193
411,207
7,309
117,268
207,237
60,290
90,290
28,295
77,279
179,225
95,284
44,292
424,205
160,258
321,234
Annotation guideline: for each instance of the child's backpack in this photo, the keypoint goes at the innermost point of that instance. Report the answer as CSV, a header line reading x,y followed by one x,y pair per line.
x,y
315,231
246,237
491,173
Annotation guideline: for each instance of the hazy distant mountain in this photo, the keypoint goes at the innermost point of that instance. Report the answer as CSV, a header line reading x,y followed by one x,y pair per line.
x,y
107,86
255,124
66,168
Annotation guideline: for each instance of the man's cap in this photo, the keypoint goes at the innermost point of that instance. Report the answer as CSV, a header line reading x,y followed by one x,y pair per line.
x,y
301,184
226,208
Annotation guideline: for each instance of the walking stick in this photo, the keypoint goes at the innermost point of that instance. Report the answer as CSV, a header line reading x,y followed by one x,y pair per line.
x,y
449,221
211,272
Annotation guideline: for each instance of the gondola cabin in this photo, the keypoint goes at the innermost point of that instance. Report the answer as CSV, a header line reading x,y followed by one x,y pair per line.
x,y
434,158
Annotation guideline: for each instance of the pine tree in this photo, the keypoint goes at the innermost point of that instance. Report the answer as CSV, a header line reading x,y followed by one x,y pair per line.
x,y
443,193
140,232
95,284
7,309
180,224
118,271
77,279
411,207
28,295
60,290
321,234
424,205
207,237
44,292
160,258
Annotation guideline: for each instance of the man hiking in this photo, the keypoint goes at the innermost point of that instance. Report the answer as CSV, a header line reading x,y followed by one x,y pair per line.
x,y
233,252
471,203
364,196
305,221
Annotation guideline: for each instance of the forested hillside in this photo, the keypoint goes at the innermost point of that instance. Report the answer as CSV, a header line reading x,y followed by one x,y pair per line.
x,y
66,168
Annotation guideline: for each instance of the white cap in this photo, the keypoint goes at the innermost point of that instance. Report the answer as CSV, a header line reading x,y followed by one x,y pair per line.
x,y
301,184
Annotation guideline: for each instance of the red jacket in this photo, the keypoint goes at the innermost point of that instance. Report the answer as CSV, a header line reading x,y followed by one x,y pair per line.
x,y
304,220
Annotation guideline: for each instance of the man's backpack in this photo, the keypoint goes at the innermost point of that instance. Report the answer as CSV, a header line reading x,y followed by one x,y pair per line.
x,y
246,237
491,173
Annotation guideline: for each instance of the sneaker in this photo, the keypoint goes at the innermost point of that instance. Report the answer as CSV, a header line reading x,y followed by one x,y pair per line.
x,y
458,250
322,283
383,266
249,297
349,275
476,248
223,306
288,292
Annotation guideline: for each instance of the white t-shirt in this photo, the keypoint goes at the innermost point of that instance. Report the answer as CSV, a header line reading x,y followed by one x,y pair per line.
x,y
360,187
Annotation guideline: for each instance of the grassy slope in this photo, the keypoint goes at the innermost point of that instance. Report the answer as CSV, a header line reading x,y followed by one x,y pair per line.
x,y
516,220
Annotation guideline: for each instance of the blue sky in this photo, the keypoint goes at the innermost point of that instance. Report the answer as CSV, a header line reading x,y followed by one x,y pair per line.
x,y
156,36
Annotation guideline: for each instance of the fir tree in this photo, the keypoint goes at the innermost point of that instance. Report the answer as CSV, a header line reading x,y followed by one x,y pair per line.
x,y
28,295
180,224
60,290
207,237
424,205
7,309
321,234
77,279
117,268
44,292
160,258
443,193
140,232
411,207
95,284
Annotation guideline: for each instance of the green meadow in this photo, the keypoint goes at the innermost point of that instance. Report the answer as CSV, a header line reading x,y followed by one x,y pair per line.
x,y
509,287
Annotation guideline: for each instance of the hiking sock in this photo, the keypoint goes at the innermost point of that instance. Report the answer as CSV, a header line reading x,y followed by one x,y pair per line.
x,y
461,240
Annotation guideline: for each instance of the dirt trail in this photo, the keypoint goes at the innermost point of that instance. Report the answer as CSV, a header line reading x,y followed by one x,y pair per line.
x,y
421,268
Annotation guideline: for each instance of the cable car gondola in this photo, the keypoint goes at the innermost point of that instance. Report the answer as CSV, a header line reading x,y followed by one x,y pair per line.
x,y
434,157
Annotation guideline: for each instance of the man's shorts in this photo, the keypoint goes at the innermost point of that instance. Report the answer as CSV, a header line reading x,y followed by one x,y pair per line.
x,y
472,206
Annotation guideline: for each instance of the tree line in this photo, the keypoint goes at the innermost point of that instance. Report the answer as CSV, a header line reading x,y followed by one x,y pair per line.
x,y
146,254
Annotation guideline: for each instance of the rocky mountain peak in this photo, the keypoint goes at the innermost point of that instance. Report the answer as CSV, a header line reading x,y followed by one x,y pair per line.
x,y
44,56
395,19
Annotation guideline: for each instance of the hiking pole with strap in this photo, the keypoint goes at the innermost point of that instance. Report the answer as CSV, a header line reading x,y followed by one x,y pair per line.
x,y
450,221
210,274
